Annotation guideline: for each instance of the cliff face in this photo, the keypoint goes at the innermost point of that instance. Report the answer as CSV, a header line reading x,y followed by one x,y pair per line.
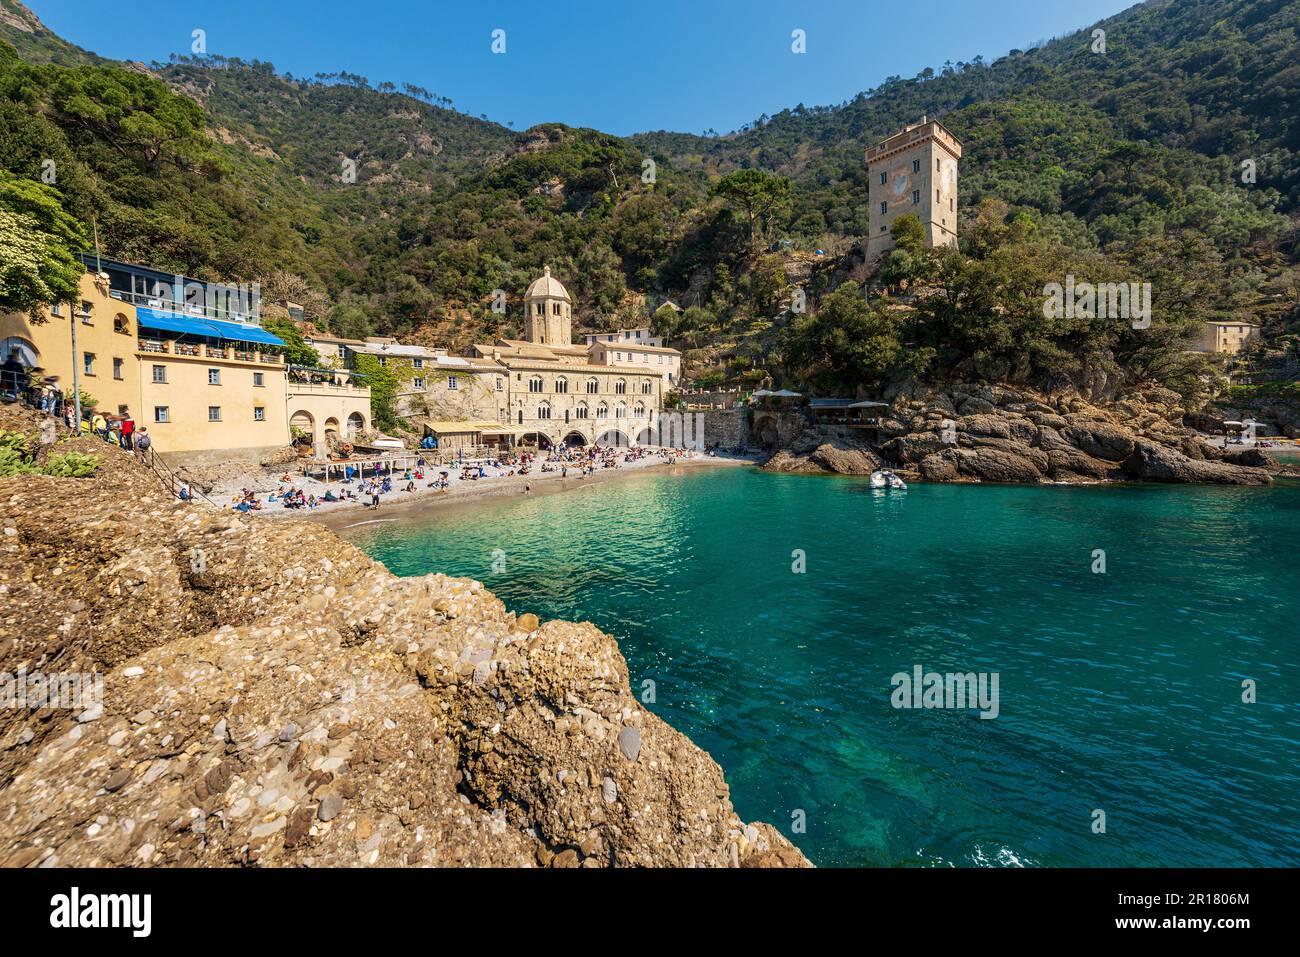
x,y
991,433
273,696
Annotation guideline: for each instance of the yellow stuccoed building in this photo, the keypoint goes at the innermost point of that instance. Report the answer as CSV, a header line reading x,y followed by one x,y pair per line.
x,y
551,392
185,359
106,346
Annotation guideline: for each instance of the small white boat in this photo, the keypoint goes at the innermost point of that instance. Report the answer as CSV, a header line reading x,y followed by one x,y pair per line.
x,y
884,478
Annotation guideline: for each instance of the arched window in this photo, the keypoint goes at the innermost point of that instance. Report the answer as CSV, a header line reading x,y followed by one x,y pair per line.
x,y
544,410
620,387
535,384
592,386
121,324
581,411
645,387
561,385
638,410
621,411
602,411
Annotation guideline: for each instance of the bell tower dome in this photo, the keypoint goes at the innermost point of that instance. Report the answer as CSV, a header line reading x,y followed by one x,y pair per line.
x,y
548,312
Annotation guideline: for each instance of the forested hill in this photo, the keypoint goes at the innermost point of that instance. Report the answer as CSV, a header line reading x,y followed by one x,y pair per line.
x,y
1181,85
229,169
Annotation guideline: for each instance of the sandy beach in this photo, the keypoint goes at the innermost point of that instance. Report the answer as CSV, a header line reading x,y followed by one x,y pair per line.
x,y
459,492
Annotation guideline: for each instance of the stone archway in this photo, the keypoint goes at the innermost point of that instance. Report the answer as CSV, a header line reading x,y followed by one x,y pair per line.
x,y
765,431
356,424
613,437
302,419
539,439
645,437
575,440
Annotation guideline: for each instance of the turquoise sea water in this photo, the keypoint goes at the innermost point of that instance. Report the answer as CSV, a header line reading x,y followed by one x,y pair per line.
x,y
1118,692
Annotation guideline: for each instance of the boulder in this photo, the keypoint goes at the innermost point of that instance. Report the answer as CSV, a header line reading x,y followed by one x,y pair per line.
x,y
1067,465
845,461
996,465
994,426
1159,463
833,457
1251,458
939,467
908,449
1100,439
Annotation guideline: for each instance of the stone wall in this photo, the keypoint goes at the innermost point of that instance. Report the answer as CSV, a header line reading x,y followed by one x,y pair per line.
x,y
728,428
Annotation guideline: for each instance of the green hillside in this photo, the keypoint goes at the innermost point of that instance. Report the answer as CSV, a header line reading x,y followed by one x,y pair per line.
x,y
1127,160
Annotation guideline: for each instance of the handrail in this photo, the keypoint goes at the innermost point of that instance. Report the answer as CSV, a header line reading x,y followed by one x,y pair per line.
x,y
167,475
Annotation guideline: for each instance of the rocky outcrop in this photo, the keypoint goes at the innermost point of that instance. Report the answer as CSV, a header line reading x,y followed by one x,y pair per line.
x,y
990,433
1160,463
812,452
274,697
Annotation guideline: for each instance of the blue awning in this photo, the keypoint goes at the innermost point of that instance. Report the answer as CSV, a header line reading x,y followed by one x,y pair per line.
x,y
244,332
212,328
175,322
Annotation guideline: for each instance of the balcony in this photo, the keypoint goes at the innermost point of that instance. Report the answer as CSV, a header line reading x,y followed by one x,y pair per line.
x,y
204,351
296,387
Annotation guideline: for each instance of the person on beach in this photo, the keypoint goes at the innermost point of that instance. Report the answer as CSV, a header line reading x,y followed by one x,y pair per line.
x,y
374,498
185,494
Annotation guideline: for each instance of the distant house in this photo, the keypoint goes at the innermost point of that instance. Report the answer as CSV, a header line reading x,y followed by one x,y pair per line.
x,y
1225,337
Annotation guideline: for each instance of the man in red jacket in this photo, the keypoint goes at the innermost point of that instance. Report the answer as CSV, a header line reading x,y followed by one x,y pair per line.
x,y
128,431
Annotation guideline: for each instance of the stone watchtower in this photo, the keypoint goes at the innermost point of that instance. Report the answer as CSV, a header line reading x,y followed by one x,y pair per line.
x,y
548,312
914,171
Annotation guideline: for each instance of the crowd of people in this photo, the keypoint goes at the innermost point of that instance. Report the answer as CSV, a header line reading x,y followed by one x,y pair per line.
x,y
370,489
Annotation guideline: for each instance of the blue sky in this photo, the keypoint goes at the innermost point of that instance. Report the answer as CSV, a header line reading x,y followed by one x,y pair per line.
x,y
618,66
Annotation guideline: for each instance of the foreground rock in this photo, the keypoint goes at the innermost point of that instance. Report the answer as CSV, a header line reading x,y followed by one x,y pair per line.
x,y
813,453
274,697
989,433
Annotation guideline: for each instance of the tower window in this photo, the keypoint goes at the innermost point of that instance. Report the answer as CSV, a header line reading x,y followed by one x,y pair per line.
x,y
916,166
884,178
937,166
884,208
916,196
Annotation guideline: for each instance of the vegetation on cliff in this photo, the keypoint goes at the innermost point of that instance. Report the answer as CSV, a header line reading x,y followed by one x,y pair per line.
x,y
1124,163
